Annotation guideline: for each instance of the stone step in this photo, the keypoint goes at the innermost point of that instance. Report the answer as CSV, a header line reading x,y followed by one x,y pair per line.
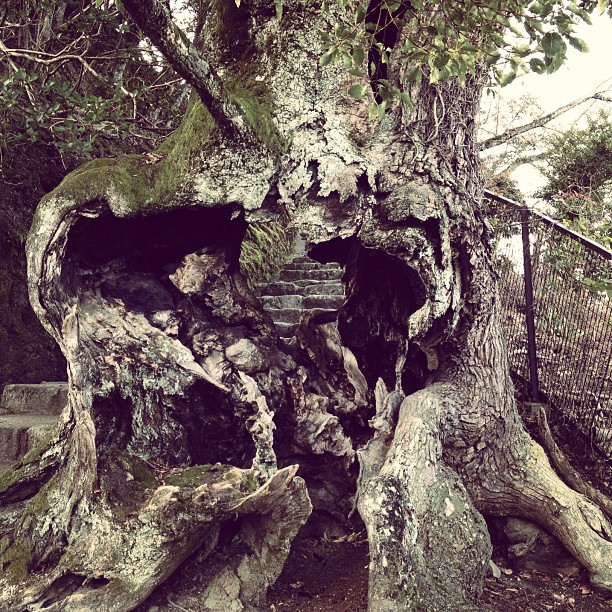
x,y
304,275
311,282
285,315
44,398
310,260
316,288
279,288
299,301
292,315
312,265
20,432
323,289
327,302
286,330
303,260
282,301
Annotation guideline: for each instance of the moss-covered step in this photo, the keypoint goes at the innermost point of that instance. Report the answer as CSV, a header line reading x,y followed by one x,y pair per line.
x,y
47,398
21,432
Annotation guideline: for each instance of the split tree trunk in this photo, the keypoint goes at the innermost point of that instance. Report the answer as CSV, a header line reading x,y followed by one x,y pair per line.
x,y
188,417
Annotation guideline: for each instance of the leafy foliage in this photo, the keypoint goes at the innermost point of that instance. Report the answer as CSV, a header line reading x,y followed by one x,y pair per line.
x,y
452,38
73,74
579,173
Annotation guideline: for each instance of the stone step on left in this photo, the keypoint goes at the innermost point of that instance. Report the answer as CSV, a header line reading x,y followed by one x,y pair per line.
x,y
41,398
27,413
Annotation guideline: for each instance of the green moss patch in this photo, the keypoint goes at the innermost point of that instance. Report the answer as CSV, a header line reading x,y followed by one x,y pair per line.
x,y
196,475
142,474
265,249
22,468
253,98
15,559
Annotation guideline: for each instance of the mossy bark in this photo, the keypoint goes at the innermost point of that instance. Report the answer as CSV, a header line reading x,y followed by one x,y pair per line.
x,y
186,409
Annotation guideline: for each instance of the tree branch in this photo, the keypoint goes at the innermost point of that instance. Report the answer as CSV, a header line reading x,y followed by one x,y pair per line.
x,y
522,160
539,122
54,58
154,19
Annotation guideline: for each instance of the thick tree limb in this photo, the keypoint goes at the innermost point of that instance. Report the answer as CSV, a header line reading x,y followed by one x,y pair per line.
x,y
154,19
508,135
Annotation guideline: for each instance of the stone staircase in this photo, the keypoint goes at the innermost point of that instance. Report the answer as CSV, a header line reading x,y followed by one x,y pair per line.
x,y
27,413
303,284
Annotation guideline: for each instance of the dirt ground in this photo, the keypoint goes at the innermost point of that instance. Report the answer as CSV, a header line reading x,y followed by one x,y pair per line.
x,y
332,575
326,576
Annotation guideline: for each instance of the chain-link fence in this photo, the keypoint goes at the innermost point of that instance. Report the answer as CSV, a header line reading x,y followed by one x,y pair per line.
x,y
566,357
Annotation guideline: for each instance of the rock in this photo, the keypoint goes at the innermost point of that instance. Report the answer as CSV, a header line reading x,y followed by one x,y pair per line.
x,y
534,549
495,571
20,432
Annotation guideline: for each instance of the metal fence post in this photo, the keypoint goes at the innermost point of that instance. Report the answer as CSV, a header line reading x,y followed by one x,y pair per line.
x,y
529,315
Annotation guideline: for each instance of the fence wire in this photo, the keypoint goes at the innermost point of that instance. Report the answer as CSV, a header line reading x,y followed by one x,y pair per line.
x,y
573,319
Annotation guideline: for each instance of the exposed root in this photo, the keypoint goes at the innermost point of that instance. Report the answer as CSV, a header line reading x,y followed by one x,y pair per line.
x,y
528,487
428,544
563,466
178,521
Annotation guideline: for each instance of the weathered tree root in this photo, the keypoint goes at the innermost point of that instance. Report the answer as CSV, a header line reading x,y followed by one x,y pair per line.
x,y
428,543
564,467
113,566
527,487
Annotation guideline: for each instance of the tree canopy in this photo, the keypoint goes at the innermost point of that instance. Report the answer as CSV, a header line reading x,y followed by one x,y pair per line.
x,y
74,74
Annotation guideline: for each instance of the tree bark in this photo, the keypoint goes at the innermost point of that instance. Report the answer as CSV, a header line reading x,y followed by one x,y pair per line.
x,y
188,416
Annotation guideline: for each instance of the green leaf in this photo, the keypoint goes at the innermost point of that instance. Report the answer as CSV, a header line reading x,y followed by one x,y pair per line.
x,y
405,98
602,5
279,8
536,8
359,91
507,78
441,61
413,74
326,57
554,63
358,56
537,65
578,43
552,44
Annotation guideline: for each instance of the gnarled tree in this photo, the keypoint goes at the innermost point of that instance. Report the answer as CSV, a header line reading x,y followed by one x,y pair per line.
x,y
187,415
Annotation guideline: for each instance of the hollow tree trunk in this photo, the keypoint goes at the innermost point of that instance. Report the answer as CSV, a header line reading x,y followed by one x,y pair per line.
x,y
187,416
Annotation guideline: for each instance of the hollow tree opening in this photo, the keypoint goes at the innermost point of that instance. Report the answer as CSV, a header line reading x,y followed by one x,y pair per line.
x,y
130,276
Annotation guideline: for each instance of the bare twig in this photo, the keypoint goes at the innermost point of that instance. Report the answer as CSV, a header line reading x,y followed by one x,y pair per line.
x,y
539,122
36,56
522,160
